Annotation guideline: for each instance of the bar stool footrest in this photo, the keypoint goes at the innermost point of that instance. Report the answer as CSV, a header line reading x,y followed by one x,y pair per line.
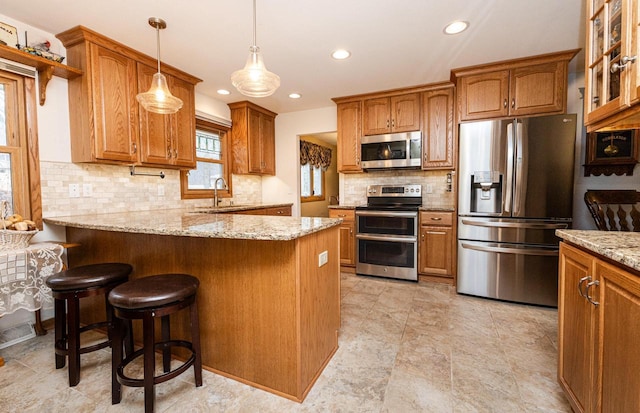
x,y
131,382
61,348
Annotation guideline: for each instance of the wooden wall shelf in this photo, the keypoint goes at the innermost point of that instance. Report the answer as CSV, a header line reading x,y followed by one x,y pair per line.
x,y
46,68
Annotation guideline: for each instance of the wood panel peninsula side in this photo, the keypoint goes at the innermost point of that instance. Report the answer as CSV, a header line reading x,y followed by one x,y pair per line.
x,y
269,310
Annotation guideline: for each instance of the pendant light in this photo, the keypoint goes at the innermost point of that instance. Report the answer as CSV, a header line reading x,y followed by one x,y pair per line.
x,y
158,99
254,79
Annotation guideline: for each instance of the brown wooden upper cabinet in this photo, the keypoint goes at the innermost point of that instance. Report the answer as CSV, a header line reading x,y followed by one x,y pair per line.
x,y
612,78
253,139
391,114
107,123
428,108
349,133
532,86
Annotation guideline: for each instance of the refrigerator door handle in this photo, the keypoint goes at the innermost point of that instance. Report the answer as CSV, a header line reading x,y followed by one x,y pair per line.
x,y
501,224
519,189
509,184
506,250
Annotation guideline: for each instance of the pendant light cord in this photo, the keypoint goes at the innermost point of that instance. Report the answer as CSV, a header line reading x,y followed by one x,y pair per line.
x,y
158,45
254,23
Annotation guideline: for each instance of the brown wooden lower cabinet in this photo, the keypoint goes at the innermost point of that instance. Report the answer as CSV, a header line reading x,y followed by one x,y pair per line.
x,y
347,235
598,333
435,245
282,211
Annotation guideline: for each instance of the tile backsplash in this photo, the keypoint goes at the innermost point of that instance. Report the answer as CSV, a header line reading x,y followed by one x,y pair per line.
x,y
111,188
355,186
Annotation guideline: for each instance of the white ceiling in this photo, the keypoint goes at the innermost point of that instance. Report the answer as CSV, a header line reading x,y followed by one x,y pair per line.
x,y
394,43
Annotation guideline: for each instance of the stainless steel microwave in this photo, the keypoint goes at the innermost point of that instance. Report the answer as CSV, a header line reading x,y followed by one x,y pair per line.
x,y
393,150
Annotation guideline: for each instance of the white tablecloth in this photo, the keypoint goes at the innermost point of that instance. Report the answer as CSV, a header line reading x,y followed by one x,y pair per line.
x,y
23,273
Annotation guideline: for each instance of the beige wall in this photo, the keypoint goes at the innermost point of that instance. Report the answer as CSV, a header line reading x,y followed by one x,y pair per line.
x,y
331,187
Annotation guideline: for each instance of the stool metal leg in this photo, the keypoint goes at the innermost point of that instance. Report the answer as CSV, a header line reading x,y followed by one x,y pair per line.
x,y
60,317
73,342
195,342
149,361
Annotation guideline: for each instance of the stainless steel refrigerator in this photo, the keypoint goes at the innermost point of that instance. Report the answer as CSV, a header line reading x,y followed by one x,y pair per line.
x,y
515,189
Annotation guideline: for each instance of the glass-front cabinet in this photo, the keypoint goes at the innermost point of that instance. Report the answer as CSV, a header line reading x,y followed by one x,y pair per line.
x,y
611,58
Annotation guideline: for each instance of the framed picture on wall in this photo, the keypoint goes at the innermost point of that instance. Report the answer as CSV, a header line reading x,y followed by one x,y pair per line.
x,y
611,152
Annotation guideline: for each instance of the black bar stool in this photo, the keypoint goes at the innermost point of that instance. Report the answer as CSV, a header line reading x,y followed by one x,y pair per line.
x,y
67,288
147,298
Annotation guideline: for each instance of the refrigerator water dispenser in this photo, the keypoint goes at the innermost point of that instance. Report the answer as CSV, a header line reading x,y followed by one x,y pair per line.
x,y
486,192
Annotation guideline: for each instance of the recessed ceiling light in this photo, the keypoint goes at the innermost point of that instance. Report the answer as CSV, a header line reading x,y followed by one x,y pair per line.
x,y
295,95
341,54
223,92
456,27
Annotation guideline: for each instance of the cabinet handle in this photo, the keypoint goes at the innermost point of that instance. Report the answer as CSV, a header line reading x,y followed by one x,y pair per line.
x,y
624,61
587,296
422,236
582,280
135,147
175,153
436,219
393,123
513,103
504,104
342,215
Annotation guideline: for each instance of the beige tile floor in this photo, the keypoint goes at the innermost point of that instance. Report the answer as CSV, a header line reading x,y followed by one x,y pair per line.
x,y
404,347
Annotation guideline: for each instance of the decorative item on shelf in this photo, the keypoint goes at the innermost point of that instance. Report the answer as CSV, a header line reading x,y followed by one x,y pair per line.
x,y
612,152
16,232
254,79
158,99
42,50
8,35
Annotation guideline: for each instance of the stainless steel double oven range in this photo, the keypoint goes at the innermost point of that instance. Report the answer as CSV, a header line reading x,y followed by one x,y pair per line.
x,y
387,232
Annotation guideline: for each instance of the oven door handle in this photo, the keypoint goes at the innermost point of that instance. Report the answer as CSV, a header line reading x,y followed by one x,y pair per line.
x,y
515,251
386,238
387,214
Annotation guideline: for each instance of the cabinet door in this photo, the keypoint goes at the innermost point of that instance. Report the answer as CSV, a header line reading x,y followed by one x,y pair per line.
x,y
575,328
113,88
254,149
405,113
438,130
376,117
183,125
155,129
349,137
484,96
538,89
267,145
435,250
618,361
347,235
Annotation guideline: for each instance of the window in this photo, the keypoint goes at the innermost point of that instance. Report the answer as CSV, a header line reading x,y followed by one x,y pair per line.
x,y
312,183
212,150
19,163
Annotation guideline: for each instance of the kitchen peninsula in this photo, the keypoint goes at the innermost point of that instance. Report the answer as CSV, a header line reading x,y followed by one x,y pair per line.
x,y
269,296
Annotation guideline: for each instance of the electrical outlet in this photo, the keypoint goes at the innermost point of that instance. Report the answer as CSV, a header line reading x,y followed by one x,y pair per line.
x,y
74,190
160,190
323,257
87,190
429,188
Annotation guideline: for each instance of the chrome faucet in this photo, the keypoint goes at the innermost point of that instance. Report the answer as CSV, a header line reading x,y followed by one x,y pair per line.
x,y
215,190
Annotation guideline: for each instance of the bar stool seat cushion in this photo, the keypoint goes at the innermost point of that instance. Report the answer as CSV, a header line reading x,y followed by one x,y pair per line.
x,y
156,291
89,276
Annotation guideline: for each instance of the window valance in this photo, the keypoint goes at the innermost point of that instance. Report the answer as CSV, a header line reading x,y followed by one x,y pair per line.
x,y
316,155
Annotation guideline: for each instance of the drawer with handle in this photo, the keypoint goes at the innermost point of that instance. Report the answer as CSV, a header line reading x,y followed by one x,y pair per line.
x,y
436,218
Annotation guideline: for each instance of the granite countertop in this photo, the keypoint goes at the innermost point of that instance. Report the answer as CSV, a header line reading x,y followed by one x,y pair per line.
x,y
621,247
194,223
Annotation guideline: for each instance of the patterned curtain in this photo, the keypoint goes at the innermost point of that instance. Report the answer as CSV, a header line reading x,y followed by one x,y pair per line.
x,y
316,155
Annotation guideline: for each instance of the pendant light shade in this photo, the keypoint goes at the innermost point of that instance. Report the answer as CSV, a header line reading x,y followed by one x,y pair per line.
x,y
158,99
254,79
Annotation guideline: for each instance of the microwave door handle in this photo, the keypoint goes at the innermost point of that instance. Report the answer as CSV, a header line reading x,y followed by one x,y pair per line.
x,y
508,193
